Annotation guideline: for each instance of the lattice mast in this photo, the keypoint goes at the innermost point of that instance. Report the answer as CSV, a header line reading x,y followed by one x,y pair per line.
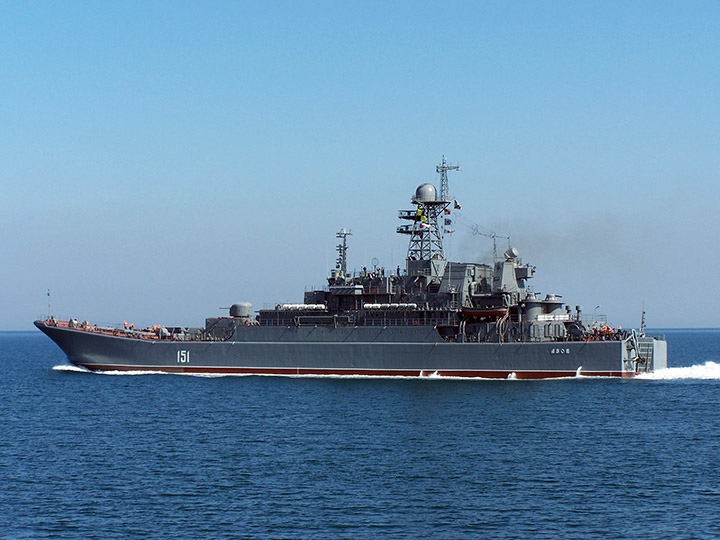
x,y
341,262
443,168
426,240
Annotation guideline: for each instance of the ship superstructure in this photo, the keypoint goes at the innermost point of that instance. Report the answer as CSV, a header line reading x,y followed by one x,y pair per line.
x,y
466,302
432,317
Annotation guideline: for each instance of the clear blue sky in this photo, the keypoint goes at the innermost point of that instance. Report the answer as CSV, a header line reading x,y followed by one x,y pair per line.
x,y
159,160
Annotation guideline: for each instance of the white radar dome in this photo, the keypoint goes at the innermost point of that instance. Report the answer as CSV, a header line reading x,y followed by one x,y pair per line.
x,y
426,193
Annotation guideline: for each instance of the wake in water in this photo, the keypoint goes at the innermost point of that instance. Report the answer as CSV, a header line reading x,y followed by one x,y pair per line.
x,y
76,369
706,371
430,377
67,367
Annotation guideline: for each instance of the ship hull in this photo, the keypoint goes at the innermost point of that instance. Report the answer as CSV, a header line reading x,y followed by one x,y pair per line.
x,y
408,352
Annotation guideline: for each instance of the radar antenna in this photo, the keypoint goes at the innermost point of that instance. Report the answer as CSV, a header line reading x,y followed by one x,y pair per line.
x,y
341,262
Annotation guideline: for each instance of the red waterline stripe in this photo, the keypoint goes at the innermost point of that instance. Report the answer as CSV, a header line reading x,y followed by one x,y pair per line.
x,y
482,374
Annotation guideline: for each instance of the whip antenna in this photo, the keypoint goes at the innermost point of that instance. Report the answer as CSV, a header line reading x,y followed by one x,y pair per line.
x,y
50,311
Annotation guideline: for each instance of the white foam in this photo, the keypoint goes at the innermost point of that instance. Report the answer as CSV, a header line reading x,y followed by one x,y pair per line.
x,y
706,371
67,367
132,372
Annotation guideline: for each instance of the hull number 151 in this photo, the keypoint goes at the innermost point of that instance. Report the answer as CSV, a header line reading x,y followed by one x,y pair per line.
x,y
183,357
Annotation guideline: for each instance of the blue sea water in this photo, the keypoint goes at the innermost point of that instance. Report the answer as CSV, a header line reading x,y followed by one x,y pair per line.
x,y
88,455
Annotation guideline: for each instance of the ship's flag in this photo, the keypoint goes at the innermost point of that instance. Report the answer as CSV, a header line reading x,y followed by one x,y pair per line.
x,y
424,226
447,210
448,221
449,231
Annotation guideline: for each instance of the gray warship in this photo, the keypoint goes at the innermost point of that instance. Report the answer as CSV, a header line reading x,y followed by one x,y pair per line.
x,y
434,318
